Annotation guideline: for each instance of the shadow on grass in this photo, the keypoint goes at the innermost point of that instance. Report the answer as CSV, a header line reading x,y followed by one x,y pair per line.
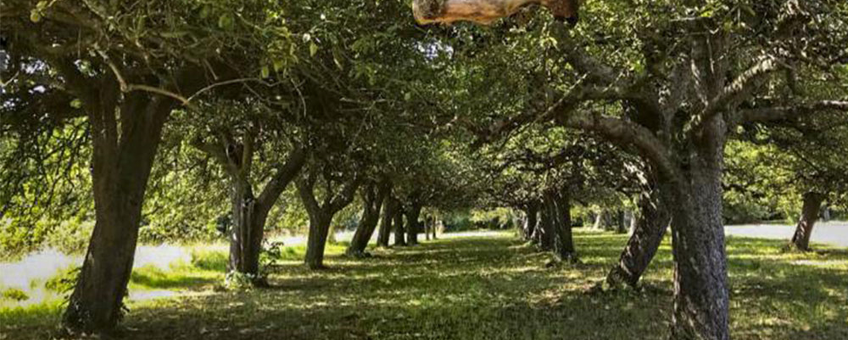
x,y
496,288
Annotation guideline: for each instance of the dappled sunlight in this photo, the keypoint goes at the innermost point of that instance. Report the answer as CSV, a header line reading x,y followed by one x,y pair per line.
x,y
432,290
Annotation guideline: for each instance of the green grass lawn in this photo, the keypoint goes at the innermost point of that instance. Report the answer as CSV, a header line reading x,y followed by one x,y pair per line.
x,y
476,288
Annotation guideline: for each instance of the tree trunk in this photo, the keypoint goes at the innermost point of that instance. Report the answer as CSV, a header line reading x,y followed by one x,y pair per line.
x,y
319,228
559,210
809,216
400,237
412,223
651,223
386,224
372,198
600,220
701,298
545,231
531,221
247,232
622,223
121,166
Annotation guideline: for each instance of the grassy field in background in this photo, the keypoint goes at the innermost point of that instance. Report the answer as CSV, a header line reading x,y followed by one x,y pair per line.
x,y
472,288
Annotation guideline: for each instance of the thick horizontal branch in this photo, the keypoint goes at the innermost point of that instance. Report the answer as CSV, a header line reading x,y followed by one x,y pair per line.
x,y
773,113
741,87
625,134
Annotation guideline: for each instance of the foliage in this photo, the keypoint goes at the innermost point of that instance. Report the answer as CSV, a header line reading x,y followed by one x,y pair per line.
x,y
14,294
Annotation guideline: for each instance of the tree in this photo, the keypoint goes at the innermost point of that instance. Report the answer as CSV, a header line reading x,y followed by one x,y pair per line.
x,y
373,197
679,91
235,146
338,189
127,71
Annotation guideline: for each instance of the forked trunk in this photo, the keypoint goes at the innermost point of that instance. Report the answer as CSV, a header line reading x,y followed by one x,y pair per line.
x,y
651,223
809,215
373,198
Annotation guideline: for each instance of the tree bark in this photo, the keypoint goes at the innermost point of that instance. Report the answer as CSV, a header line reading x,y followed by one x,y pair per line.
x,y
531,221
559,211
809,215
121,164
621,222
319,228
247,232
386,224
545,231
651,223
600,220
372,198
701,299
400,237
412,223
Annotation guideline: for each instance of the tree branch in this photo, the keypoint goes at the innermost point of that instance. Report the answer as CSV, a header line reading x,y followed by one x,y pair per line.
x,y
766,114
283,176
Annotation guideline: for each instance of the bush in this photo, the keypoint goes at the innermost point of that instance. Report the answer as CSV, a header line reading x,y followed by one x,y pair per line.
x,y
14,294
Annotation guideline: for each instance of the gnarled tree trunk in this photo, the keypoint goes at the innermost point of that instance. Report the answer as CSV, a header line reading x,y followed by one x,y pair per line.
x,y
372,200
651,223
809,216
701,299
121,165
321,214
558,207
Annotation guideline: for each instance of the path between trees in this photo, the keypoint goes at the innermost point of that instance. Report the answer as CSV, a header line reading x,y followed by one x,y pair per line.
x,y
833,233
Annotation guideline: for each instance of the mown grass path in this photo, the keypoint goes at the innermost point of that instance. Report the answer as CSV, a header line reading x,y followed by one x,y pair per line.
x,y
495,287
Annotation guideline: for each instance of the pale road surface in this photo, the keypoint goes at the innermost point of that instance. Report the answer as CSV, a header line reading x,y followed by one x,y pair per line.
x,y
833,233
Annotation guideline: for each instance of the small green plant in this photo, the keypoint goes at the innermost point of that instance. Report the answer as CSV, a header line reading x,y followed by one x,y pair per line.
x,y
64,281
272,253
243,281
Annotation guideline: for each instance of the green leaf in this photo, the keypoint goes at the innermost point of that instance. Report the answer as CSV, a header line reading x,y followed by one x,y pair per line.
x,y
34,16
226,21
313,49
266,72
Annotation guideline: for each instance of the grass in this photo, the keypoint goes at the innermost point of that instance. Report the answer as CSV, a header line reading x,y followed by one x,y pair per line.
x,y
479,288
